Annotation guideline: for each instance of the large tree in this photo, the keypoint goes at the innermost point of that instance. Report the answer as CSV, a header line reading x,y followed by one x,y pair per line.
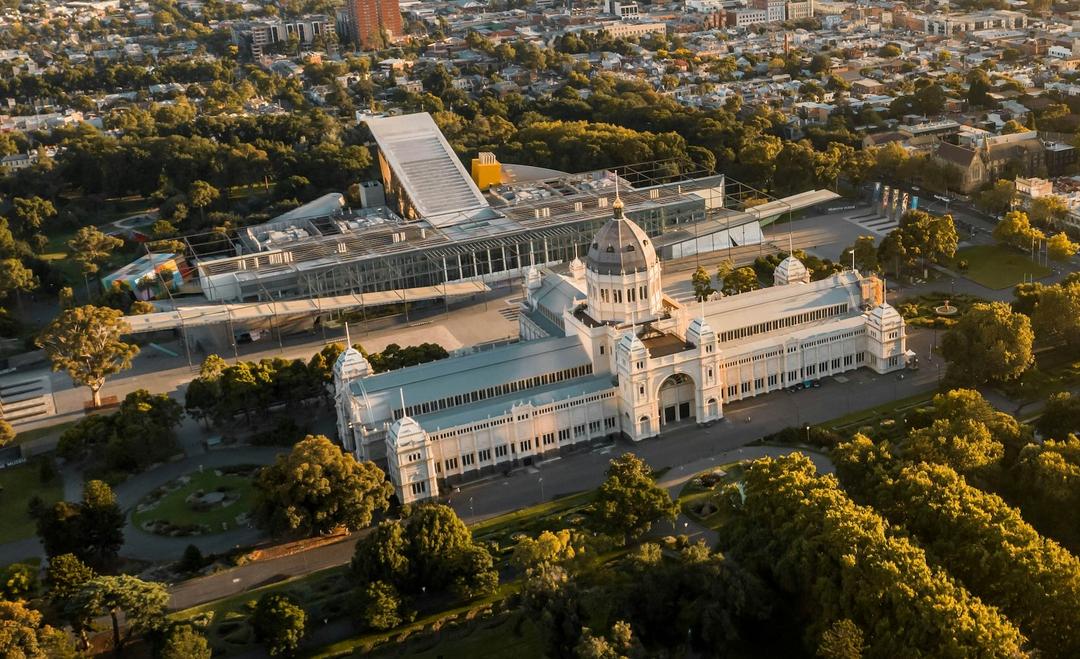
x,y
1056,317
201,195
86,342
998,198
865,255
1061,416
702,283
23,636
90,248
92,530
629,501
318,487
1015,229
967,433
989,343
922,238
141,604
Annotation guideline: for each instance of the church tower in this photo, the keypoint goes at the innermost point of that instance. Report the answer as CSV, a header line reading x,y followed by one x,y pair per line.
x,y
622,272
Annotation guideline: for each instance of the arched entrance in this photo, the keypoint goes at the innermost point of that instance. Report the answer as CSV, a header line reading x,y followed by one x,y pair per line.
x,y
676,399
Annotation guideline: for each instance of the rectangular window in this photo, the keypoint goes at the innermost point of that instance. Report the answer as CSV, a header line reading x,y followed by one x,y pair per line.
x,y
616,294
484,455
501,451
468,459
526,445
594,427
419,488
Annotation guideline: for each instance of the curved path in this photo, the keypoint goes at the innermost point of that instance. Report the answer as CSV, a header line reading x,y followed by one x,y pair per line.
x,y
148,546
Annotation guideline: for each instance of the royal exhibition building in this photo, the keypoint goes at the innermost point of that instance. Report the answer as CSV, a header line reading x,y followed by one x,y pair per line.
x,y
603,351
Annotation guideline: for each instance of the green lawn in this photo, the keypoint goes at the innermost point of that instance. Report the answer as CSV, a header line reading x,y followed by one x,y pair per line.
x,y
19,485
174,509
46,431
999,267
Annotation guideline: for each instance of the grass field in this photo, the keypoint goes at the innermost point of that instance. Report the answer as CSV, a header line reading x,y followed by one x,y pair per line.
x,y
19,485
174,509
997,267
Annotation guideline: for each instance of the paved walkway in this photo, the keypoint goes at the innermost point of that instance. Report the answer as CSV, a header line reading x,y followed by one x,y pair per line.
x,y
147,546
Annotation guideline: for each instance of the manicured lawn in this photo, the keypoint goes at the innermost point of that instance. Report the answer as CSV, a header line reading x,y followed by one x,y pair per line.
x,y
174,508
20,484
503,640
999,267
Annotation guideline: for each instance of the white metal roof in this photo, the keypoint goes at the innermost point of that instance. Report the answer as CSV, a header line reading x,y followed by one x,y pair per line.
x,y
427,167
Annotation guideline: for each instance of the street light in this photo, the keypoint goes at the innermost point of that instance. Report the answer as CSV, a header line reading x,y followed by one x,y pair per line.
x,y
541,481
808,433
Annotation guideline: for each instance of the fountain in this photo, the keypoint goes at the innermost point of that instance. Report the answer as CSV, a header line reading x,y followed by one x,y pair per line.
x,y
946,309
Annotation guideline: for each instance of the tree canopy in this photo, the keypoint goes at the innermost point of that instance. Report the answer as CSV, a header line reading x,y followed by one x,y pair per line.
x,y
318,487
629,501
86,343
988,343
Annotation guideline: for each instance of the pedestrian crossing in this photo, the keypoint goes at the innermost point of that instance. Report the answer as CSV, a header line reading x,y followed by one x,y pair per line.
x,y
874,222
26,397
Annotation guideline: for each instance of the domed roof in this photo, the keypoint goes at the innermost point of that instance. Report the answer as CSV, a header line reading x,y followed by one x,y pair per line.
x,y
884,314
406,431
630,343
619,247
351,363
790,269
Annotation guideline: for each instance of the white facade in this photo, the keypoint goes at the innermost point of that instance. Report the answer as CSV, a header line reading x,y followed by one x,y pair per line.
x,y
593,365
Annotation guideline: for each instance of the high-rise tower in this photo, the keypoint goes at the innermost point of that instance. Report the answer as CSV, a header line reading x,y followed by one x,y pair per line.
x,y
369,20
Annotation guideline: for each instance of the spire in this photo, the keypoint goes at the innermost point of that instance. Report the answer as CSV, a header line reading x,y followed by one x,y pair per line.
x,y
348,341
618,205
401,392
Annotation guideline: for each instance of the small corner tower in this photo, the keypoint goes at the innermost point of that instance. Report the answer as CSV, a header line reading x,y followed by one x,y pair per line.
x,y
410,462
886,339
791,271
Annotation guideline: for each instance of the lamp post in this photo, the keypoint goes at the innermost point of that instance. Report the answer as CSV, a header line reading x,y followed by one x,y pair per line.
x,y
541,481
808,433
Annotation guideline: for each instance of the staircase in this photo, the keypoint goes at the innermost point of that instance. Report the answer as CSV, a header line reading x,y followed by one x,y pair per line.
x,y
26,397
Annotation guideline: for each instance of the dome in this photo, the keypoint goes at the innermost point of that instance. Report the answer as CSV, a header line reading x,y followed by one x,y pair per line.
x,y
351,364
630,343
790,271
406,431
884,313
620,247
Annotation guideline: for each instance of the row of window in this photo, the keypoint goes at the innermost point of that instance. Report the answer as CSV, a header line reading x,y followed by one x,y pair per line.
x,y
526,445
795,376
632,294
497,390
550,407
789,321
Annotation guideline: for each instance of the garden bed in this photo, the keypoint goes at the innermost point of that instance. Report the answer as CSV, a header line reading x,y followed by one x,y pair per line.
x,y
200,503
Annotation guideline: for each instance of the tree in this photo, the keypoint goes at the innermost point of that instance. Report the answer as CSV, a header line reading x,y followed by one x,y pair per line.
x,y
967,433
834,559
184,642
141,603
922,237
380,606
1056,317
998,198
85,342
1060,248
279,623
866,256
318,487
92,530
1048,210
22,636
989,343
981,540
1060,417
66,576
741,280
629,501
90,248
842,640
548,547
1015,229
7,433
978,88
31,214
16,277
201,195
702,283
